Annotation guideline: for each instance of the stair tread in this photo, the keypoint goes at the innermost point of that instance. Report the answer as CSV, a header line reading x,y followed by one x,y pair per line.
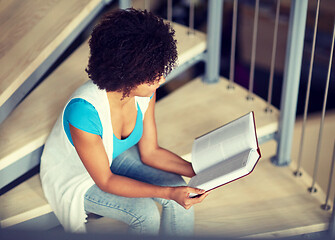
x,y
188,46
45,103
31,31
28,126
201,107
269,201
23,202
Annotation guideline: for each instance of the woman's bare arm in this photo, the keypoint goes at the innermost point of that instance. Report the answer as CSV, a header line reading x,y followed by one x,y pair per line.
x,y
93,155
155,156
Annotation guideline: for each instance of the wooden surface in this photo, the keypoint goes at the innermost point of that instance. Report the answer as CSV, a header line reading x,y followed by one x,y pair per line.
x,y
21,135
310,147
28,126
270,202
197,108
188,45
30,32
23,202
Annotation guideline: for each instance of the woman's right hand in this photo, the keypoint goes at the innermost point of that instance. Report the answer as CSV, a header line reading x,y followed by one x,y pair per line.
x,y
182,196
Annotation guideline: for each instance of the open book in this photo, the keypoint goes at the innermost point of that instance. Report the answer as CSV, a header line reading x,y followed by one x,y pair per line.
x,y
225,154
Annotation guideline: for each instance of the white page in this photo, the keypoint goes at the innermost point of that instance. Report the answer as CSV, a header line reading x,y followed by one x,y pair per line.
x,y
224,142
226,171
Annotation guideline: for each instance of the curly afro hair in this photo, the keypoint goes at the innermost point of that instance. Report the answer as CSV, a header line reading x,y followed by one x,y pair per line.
x,y
130,47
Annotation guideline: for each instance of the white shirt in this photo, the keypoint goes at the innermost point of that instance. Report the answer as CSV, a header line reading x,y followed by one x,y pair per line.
x,y
64,178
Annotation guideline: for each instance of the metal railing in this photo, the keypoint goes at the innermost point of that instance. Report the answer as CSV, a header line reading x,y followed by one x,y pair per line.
x,y
292,72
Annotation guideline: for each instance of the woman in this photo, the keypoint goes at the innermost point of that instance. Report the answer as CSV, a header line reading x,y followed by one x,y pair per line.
x,y
102,155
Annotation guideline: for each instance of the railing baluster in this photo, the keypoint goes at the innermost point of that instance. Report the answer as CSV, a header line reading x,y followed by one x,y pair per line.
x,y
233,47
191,18
253,53
169,10
326,206
298,172
316,165
123,4
273,58
214,35
332,223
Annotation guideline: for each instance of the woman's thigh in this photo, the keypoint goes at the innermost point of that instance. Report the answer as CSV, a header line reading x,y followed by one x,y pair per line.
x,y
129,164
141,214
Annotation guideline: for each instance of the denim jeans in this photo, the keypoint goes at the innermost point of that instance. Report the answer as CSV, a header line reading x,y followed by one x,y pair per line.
x,y
142,214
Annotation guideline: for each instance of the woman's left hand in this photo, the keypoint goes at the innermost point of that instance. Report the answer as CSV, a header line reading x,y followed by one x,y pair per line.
x,y
182,196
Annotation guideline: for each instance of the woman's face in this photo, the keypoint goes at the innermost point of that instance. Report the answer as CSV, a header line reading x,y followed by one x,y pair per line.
x,y
146,89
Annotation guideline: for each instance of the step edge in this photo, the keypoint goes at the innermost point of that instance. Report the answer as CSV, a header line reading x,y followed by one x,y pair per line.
x,y
25,216
319,227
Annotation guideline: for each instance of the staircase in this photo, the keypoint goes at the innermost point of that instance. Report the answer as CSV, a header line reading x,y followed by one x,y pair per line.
x,y
249,207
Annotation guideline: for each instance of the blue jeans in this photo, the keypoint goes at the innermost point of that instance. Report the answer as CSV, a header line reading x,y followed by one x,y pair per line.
x,y
142,214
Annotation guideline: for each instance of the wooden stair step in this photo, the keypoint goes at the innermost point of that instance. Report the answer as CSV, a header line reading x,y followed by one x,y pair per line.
x,y
22,203
197,108
270,202
188,45
31,32
27,128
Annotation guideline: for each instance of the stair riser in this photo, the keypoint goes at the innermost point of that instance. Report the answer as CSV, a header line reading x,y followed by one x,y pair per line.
x,y
20,167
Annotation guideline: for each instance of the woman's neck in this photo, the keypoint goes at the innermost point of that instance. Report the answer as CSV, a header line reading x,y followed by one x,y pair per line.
x,y
115,99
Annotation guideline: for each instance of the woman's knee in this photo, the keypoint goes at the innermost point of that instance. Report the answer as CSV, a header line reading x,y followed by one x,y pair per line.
x,y
146,218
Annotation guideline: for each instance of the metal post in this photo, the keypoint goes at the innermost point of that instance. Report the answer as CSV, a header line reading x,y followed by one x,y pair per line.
x,y
253,53
169,10
233,47
191,19
332,223
123,4
147,5
326,206
214,24
289,97
273,59
298,172
317,157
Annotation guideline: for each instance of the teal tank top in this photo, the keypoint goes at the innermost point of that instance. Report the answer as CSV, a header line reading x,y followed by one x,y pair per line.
x,y
82,115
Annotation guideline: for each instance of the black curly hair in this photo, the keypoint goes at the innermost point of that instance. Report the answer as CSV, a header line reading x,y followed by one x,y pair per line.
x,y
130,47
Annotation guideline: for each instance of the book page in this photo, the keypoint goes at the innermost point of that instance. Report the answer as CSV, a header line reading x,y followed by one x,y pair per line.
x,y
223,143
226,171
